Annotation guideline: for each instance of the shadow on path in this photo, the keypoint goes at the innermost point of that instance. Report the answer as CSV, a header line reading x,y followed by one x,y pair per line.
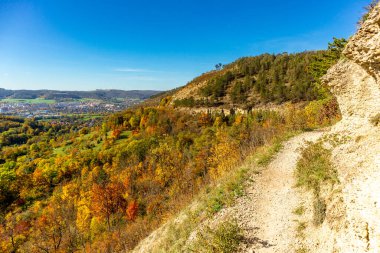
x,y
258,241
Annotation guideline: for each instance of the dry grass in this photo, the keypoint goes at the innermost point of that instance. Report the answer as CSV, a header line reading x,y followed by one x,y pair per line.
x,y
375,120
223,193
302,250
224,238
299,210
266,155
313,169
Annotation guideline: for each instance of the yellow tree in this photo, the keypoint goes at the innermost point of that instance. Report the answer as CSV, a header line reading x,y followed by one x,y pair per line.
x,y
224,155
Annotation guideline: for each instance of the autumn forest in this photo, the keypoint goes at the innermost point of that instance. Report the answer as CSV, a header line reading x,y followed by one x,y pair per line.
x,y
103,184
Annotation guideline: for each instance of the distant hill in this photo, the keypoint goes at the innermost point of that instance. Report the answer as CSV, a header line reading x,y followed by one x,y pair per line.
x,y
96,94
253,81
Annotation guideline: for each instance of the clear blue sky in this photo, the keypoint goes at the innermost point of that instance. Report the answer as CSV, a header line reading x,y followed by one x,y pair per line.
x,y
141,44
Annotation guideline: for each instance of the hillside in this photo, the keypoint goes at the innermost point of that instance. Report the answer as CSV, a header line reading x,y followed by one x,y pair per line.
x,y
156,178
59,95
319,193
86,185
265,79
269,153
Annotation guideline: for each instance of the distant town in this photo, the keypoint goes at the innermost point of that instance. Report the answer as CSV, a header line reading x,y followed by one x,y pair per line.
x,y
53,104
50,110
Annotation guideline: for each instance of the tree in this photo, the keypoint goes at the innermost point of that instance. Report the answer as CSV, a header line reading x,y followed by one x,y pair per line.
x,y
116,133
323,62
335,48
7,178
107,200
48,230
132,210
15,229
218,66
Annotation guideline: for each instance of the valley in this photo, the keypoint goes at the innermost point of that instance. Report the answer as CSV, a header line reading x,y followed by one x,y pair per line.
x,y
106,183
270,152
53,104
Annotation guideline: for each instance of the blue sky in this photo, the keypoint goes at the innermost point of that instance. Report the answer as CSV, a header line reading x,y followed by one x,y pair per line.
x,y
141,44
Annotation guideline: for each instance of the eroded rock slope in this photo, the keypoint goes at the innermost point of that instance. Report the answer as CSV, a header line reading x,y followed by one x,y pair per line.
x,y
353,207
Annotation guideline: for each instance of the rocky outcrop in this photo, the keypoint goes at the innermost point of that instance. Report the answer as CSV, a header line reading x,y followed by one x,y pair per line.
x,y
355,80
357,92
353,207
364,47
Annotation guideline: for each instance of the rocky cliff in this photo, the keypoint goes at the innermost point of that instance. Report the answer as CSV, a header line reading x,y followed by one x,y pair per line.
x,y
353,206
355,80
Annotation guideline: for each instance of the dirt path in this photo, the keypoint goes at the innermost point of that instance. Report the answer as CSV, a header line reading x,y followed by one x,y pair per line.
x,y
266,212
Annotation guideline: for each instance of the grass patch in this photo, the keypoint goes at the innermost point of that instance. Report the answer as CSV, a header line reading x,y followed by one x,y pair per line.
x,y
268,156
123,137
177,235
215,204
227,192
375,120
87,116
268,152
314,168
224,238
319,208
301,227
300,230
61,151
299,210
125,134
302,250
88,100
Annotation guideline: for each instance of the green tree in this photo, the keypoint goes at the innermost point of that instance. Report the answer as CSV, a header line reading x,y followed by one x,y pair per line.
x,y
323,62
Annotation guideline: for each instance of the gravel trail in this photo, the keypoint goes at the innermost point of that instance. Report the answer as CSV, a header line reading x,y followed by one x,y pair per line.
x,y
266,213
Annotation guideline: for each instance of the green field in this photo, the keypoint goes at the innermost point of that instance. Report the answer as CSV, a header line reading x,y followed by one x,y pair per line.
x,y
88,100
30,101
84,116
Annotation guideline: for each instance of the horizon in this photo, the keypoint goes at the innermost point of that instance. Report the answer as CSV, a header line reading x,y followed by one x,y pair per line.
x,y
77,90
126,45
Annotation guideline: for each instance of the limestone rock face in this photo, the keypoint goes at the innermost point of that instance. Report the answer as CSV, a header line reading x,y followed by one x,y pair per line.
x,y
355,81
364,47
357,92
